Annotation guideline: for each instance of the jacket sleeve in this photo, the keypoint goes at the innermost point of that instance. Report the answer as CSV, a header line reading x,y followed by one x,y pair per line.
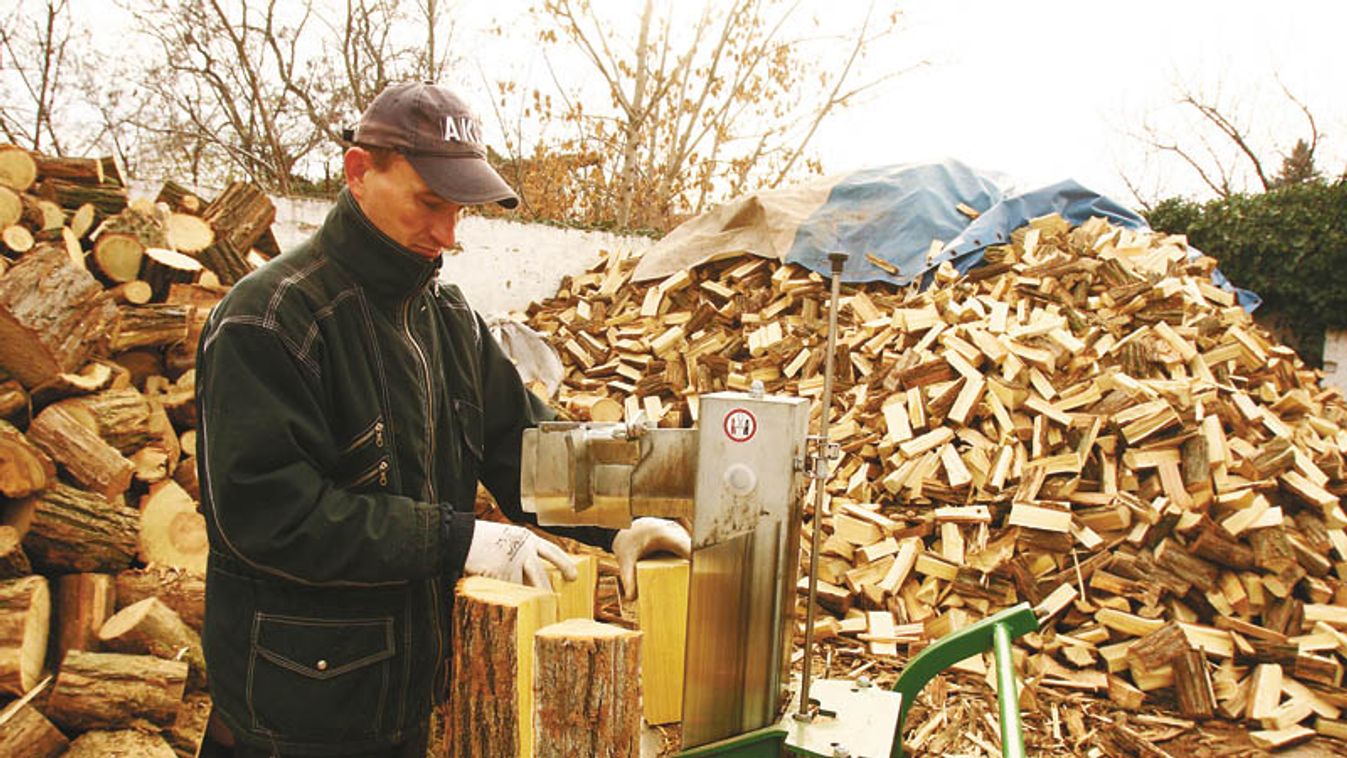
x,y
266,499
510,408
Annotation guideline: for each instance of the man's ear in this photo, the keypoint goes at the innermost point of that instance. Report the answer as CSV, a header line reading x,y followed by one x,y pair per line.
x,y
356,163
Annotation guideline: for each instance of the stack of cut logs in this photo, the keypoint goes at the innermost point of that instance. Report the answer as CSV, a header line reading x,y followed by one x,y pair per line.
x,y
1084,422
102,551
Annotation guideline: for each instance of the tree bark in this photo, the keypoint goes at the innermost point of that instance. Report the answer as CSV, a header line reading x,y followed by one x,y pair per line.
x,y
52,314
14,562
183,591
25,610
152,628
587,686
240,214
66,529
154,325
86,457
77,170
121,417
112,690
491,694
28,734
127,743
83,603
165,268
189,732
179,198
108,199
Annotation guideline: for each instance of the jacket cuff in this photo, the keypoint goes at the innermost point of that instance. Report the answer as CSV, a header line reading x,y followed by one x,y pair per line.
x,y
456,530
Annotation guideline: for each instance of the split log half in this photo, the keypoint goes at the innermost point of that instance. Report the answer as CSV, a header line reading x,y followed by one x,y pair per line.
x,y
25,610
24,468
491,693
83,603
575,599
111,690
52,314
82,220
92,377
183,591
152,628
586,685
67,529
662,609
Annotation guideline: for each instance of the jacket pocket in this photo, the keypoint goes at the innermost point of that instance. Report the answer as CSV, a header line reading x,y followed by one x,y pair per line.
x,y
363,463
470,422
319,680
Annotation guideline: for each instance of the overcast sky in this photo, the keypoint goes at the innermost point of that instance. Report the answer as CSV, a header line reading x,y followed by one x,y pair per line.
x,y
1047,89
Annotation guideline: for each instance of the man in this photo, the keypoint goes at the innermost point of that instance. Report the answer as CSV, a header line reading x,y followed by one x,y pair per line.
x,y
349,403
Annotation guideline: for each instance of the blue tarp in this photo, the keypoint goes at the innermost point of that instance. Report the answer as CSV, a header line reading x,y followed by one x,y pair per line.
x,y
894,213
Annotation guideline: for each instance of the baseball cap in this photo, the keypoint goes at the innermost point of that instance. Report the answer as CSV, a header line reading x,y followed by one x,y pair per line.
x,y
436,131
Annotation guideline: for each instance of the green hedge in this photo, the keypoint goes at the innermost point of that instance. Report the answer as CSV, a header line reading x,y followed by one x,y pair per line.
x,y
1288,245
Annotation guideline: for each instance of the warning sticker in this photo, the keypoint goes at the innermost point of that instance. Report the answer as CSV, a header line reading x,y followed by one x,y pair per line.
x,y
740,425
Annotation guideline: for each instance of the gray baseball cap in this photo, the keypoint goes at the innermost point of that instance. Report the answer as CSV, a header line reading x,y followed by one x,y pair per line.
x,y
436,131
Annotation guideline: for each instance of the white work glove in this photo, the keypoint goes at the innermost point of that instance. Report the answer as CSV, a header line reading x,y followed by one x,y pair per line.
x,y
644,537
514,554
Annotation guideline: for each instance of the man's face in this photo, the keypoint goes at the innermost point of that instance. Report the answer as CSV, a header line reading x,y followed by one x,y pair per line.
x,y
398,202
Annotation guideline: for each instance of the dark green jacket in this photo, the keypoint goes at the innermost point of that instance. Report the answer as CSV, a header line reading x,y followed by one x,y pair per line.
x,y
349,403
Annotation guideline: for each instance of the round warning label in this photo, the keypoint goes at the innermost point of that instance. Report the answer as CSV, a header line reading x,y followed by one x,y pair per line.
x,y
740,425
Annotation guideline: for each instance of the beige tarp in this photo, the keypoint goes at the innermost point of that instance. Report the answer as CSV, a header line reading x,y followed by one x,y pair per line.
x,y
761,224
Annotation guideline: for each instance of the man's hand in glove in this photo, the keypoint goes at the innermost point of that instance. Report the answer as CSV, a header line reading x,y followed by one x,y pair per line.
x,y
514,554
643,537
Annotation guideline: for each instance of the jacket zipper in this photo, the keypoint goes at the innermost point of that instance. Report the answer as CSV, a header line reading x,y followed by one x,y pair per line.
x,y
430,484
429,391
376,431
379,469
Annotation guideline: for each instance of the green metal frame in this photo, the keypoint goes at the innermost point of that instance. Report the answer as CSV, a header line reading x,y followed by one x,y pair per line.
x,y
995,633
767,742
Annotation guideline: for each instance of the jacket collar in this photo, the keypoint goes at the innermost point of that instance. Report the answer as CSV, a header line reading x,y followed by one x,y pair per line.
x,y
382,266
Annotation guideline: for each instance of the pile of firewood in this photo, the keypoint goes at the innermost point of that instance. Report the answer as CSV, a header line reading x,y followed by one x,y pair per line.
x,y
1084,422
102,551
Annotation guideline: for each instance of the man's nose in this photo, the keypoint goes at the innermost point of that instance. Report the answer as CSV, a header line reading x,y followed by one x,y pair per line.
x,y
442,231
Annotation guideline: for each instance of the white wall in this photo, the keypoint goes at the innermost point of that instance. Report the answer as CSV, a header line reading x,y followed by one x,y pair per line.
x,y
1335,358
504,265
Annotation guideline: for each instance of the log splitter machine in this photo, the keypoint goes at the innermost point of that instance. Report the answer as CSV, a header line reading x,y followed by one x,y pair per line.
x,y
739,479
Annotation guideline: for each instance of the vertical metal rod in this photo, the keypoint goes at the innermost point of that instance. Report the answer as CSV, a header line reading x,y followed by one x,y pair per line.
x,y
820,476
1007,694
